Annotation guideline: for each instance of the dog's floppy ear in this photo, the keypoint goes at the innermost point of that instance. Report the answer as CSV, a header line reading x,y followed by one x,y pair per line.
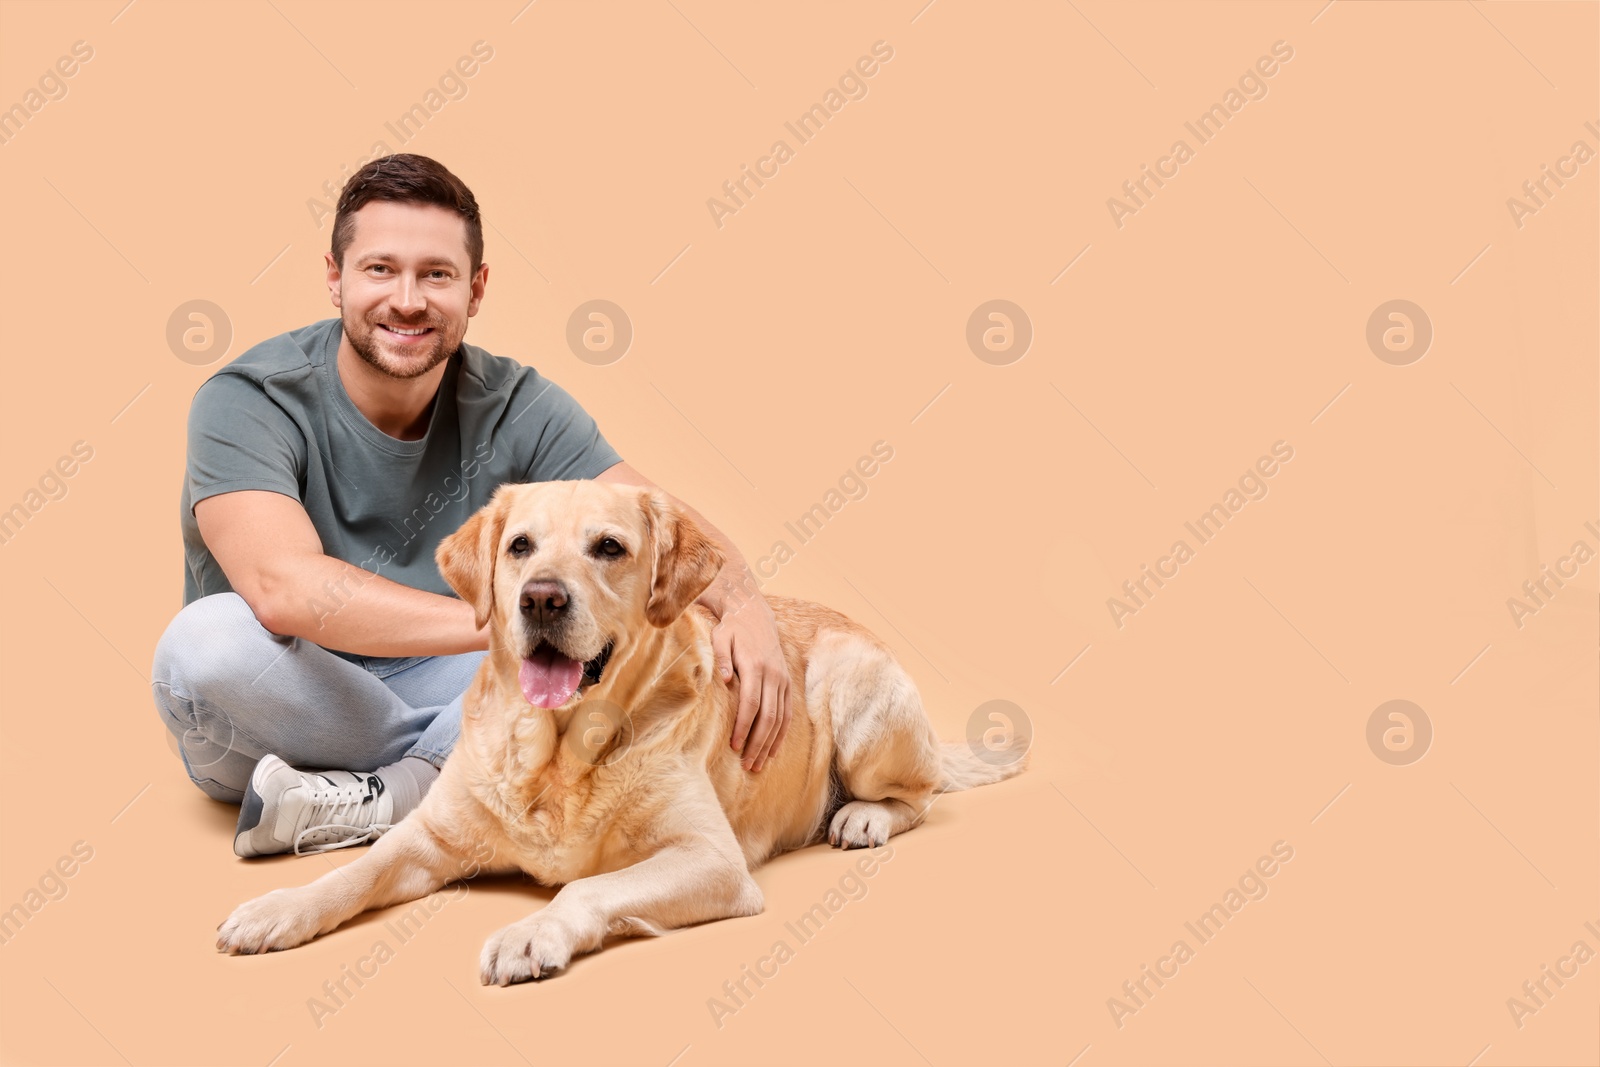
x,y
684,559
466,557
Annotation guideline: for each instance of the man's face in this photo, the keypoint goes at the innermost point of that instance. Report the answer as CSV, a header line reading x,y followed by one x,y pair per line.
x,y
406,270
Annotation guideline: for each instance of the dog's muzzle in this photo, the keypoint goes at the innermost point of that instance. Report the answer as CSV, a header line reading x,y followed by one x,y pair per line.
x,y
549,678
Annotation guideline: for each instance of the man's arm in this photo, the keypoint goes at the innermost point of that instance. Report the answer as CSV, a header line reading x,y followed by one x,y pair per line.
x,y
745,639
273,558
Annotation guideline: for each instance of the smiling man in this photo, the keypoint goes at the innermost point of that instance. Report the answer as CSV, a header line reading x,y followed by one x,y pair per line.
x,y
315,673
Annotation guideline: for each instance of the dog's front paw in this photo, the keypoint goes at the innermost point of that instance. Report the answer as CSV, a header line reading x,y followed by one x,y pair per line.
x,y
537,947
281,919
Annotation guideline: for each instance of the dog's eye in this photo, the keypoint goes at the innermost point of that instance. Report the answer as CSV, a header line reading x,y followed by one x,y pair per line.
x,y
610,548
519,546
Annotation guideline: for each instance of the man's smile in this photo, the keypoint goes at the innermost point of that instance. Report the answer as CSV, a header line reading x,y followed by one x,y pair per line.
x,y
405,335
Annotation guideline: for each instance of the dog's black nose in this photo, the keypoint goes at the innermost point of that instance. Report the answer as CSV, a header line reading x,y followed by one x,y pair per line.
x,y
543,600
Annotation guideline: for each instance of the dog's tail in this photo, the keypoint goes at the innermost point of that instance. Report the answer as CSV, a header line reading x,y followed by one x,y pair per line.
x,y
964,766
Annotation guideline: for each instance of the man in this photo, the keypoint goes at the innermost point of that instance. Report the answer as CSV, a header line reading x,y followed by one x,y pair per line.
x,y
324,467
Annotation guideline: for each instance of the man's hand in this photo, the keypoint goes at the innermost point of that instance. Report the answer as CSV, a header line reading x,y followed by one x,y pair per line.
x,y
745,642
745,639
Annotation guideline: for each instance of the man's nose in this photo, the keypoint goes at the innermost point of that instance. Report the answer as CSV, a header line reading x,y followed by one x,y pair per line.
x,y
543,601
409,296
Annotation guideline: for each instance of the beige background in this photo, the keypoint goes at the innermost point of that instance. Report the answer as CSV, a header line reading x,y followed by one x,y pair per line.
x,y
830,312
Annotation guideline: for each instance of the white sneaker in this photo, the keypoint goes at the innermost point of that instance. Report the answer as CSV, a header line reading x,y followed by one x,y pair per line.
x,y
285,810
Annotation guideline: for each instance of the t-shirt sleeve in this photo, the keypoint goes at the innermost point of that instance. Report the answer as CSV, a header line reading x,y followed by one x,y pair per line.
x,y
569,444
240,439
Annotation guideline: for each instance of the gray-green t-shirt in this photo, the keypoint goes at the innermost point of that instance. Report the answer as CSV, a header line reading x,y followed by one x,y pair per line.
x,y
278,418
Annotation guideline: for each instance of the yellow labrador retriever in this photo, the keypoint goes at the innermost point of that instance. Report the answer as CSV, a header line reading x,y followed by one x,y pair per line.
x,y
594,747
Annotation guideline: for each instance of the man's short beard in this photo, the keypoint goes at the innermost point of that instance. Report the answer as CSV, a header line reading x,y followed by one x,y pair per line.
x,y
366,346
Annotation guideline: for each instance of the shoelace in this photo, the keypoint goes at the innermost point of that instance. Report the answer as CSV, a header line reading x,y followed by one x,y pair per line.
x,y
360,837
342,803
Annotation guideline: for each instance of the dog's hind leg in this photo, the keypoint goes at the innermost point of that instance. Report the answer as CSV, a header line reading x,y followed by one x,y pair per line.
x,y
406,863
886,753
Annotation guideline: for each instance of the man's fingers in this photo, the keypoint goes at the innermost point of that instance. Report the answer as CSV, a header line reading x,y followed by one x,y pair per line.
x,y
722,649
766,728
749,705
780,719
783,722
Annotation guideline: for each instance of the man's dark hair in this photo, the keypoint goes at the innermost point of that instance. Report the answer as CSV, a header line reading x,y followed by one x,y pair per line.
x,y
407,179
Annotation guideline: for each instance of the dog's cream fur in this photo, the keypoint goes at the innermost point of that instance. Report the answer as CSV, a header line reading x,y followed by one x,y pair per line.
x,y
629,795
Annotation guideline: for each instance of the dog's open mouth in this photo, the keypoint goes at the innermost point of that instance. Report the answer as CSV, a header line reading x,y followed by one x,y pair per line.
x,y
549,677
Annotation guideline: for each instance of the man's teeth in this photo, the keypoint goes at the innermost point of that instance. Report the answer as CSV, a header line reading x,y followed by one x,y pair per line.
x,y
407,333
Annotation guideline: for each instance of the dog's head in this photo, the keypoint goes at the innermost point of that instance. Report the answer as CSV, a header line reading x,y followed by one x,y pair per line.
x,y
567,571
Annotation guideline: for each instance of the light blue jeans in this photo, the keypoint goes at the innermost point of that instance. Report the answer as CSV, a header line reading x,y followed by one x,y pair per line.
x,y
231,691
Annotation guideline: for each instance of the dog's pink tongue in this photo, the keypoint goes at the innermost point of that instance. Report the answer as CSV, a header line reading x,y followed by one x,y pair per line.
x,y
548,678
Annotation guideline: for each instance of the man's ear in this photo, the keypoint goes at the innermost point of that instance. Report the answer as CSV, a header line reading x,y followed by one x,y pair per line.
x,y
684,559
466,558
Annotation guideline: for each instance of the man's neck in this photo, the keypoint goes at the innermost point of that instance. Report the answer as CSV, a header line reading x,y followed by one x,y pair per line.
x,y
399,408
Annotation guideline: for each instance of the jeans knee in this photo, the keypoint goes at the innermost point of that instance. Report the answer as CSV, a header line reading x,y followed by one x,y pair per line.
x,y
196,660
217,756
210,786
201,642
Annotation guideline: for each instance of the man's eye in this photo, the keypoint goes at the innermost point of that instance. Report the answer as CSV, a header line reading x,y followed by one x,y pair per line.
x,y
610,547
519,546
